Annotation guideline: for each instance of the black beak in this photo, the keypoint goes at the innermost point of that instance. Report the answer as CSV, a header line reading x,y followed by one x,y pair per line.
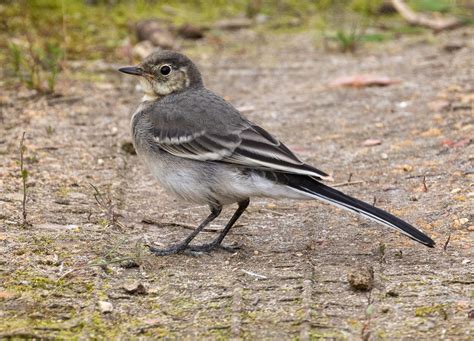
x,y
132,70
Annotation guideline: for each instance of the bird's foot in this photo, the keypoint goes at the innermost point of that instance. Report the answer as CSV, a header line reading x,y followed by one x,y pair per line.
x,y
214,246
193,250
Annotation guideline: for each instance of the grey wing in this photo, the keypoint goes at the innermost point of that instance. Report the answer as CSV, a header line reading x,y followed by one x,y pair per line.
x,y
248,145
202,126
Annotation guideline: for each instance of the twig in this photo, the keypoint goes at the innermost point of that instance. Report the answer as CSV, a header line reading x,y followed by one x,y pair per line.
x,y
106,204
447,242
436,24
24,178
423,175
254,274
348,183
425,188
176,224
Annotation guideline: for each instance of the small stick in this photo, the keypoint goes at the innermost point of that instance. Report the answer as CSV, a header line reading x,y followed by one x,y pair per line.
x,y
24,177
349,178
425,188
342,184
413,18
250,273
375,201
447,242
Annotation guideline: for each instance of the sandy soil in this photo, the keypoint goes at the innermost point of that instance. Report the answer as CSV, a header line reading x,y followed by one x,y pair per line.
x,y
81,270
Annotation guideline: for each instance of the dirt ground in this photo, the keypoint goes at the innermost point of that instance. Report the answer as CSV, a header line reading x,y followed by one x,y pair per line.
x,y
80,269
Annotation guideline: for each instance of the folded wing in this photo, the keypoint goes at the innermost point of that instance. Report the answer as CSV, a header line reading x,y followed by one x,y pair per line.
x,y
249,146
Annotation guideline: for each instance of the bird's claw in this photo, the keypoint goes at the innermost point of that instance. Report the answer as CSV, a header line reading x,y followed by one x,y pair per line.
x,y
214,246
193,250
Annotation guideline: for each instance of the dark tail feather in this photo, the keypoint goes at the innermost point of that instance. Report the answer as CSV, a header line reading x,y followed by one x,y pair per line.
x,y
332,196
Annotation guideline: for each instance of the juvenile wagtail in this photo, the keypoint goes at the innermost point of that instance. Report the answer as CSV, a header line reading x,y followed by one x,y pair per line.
x,y
200,148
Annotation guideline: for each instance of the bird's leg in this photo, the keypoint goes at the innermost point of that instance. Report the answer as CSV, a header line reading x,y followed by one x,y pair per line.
x,y
215,211
216,243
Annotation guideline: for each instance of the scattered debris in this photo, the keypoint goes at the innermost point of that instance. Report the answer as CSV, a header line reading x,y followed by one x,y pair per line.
x,y
424,188
432,132
456,144
437,23
24,178
452,47
128,148
105,203
361,278
253,274
154,31
371,142
348,183
234,24
189,31
246,109
359,81
129,264
447,242
392,292
135,288
105,307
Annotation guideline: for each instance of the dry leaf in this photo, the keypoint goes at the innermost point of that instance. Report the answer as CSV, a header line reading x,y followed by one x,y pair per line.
x,y
432,132
456,144
359,81
371,142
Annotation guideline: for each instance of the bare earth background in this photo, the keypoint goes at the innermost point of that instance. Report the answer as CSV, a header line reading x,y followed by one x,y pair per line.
x,y
81,270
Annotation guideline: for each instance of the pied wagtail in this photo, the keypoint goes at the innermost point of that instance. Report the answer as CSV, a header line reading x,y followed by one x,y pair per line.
x,y
200,148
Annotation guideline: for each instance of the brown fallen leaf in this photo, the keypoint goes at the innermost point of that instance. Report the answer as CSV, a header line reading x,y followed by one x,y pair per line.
x,y
359,81
456,144
371,142
432,132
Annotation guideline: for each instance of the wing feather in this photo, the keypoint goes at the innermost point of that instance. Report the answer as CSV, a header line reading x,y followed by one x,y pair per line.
x,y
249,146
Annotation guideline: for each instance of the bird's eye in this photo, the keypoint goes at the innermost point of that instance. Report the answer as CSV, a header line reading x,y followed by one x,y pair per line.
x,y
165,70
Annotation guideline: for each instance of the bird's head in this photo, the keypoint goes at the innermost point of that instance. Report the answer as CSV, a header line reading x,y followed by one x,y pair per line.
x,y
165,72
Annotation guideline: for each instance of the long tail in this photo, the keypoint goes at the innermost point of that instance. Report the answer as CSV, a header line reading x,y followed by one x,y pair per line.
x,y
325,193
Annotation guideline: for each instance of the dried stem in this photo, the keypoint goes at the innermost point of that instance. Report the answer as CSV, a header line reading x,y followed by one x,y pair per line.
x,y
24,178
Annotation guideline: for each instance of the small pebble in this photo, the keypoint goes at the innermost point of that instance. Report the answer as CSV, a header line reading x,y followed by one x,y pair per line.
x,y
135,288
362,278
105,307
